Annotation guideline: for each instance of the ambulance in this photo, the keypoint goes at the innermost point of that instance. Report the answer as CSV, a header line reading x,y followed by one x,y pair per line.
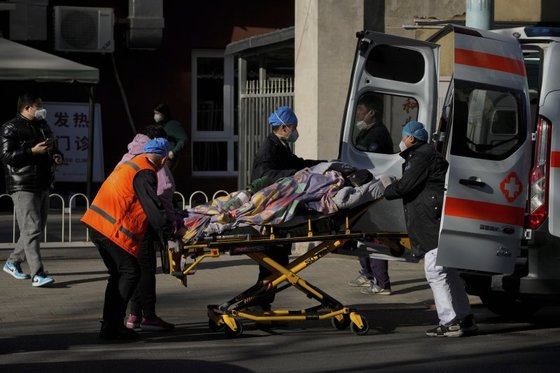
x,y
489,100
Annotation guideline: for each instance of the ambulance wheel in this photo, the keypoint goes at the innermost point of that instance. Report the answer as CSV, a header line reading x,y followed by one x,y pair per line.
x,y
360,331
233,333
214,326
341,324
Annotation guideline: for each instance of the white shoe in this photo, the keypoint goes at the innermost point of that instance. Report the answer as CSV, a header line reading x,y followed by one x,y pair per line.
x,y
374,289
361,280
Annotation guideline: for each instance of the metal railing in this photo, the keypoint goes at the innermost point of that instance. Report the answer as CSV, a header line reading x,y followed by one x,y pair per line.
x,y
63,227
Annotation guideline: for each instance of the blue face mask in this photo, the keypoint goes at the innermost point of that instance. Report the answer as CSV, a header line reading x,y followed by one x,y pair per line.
x,y
294,135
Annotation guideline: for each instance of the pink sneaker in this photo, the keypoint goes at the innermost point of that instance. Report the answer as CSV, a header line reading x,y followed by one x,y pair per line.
x,y
133,322
155,324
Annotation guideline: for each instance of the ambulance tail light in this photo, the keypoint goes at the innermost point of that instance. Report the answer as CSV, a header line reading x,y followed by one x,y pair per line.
x,y
538,180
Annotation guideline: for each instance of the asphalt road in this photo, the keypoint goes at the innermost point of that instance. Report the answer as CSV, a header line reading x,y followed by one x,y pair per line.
x,y
55,329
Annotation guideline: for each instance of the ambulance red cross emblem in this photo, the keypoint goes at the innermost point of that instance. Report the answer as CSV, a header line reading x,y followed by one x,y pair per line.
x,y
511,187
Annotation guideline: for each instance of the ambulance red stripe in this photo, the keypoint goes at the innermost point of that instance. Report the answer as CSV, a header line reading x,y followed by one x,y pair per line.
x,y
555,159
466,208
489,61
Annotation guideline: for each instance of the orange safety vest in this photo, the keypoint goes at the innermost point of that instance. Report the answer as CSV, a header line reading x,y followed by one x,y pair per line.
x,y
116,212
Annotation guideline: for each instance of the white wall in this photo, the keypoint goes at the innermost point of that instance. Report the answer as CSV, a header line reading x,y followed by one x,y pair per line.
x,y
325,42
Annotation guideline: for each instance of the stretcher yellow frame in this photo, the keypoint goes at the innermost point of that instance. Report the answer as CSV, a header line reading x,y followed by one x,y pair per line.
x,y
226,315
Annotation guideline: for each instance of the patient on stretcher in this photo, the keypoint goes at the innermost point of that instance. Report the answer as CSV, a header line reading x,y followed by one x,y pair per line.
x,y
325,188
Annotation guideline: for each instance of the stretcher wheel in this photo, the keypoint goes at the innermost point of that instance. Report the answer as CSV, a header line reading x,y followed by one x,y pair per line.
x,y
342,324
233,333
214,326
360,331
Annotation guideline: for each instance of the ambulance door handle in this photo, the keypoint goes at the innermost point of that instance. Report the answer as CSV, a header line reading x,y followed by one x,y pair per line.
x,y
472,181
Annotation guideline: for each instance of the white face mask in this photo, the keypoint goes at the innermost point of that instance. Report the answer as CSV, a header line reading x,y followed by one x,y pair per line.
x,y
293,136
41,114
402,146
360,125
158,118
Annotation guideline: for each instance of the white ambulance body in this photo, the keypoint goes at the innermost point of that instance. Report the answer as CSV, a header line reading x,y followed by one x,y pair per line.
x,y
498,214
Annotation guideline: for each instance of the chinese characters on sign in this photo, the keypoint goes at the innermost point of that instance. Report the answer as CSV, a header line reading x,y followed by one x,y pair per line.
x,y
69,123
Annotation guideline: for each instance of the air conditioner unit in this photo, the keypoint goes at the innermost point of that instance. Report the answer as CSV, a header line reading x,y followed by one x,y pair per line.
x,y
83,29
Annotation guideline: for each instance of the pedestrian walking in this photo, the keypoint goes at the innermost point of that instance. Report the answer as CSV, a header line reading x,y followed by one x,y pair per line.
x,y
30,155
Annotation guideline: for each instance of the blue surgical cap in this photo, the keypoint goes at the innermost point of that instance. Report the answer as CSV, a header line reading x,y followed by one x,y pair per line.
x,y
416,129
283,115
158,145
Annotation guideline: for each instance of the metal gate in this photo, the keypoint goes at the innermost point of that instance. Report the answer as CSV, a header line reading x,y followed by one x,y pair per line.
x,y
256,102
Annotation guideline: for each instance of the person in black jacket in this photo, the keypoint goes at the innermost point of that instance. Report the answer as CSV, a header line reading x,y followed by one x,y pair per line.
x,y
275,160
373,137
421,188
30,155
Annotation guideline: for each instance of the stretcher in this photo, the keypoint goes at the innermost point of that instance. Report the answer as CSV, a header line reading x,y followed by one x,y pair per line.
x,y
332,231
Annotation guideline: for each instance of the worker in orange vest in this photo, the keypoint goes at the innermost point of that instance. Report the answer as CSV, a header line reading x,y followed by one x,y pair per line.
x,y
126,204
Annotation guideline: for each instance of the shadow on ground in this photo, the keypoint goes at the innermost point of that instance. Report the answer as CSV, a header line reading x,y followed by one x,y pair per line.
x,y
129,365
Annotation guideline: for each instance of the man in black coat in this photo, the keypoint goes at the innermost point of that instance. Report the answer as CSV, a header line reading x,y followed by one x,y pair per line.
x,y
30,155
422,187
275,160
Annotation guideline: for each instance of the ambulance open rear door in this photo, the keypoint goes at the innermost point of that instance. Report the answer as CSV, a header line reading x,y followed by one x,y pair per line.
x,y
487,142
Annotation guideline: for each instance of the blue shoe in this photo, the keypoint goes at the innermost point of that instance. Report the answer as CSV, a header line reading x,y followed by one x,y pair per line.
x,y
41,280
14,269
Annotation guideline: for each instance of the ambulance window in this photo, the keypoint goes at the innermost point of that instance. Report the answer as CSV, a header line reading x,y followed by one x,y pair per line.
x,y
486,123
394,63
378,121
533,68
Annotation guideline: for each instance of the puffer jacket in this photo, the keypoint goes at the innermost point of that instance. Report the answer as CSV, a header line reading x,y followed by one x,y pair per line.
x,y
23,170
421,188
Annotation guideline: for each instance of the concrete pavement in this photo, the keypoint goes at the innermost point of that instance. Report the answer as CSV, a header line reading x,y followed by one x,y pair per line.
x,y
55,329
81,278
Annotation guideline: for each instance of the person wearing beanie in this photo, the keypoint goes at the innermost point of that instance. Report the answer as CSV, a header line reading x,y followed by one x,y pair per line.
x,y
421,188
118,217
275,160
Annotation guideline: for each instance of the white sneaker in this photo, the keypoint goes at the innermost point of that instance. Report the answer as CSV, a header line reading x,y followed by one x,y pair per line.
x,y
41,280
361,280
374,289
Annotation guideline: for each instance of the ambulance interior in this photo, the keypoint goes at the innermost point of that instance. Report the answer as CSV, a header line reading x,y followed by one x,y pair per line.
x,y
486,122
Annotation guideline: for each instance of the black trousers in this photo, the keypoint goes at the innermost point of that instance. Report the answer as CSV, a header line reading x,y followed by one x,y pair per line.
x,y
281,255
124,273
143,301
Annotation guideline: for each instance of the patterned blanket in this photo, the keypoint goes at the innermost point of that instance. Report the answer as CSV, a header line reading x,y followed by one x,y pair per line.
x,y
324,192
